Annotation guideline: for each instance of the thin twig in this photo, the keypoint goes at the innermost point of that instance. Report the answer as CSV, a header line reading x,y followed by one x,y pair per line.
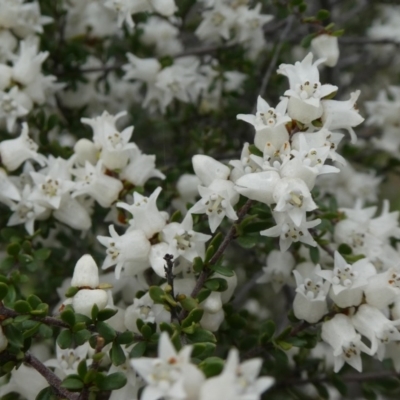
x,y
217,255
348,40
53,380
274,60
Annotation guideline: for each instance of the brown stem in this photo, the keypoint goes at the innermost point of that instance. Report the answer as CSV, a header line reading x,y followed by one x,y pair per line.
x,y
206,272
53,380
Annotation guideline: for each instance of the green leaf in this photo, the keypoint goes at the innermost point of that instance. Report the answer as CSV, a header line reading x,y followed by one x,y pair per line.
x,y
106,314
268,329
94,312
138,350
146,331
117,355
188,303
41,310
314,254
82,369
203,294
322,390
22,307
71,291
106,331
217,240
248,241
198,264
306,41
202,335
209,253
323,14
283,345
81,337
345,249
3,290
64,339
176,216
72,383
339,384
68,316
225,271
13,249
211,366
32,330
34,301
157,294
338,33
7,263
194,316
255,150
125,338
113,381
42,254
46,394
14,335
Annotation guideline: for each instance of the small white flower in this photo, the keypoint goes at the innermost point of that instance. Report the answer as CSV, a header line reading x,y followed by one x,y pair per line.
x,y
15,152
217,201
327,47
347,346
132,247
289,233
86,273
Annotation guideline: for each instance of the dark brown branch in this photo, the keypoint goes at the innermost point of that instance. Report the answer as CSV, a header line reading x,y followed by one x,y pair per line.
x,y
53,380
217,255
272,64
348,40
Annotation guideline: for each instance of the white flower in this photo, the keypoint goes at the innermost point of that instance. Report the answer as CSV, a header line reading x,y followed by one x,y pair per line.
x,y
383,289
29,63
347,346
327,47
278,270
50,186
85,299
292,196
289,233
26,211
142,69
93,182
306,92
131,247
140,168
258,186
183,241
310,301
14,152
207,169
67,360
269,123
170,375
86,273
73,213
145,213
217,201
237,381
11,106
85,150
342,114
216,24
378,329
348,281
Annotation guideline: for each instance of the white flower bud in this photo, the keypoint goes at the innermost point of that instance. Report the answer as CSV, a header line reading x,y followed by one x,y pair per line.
x,y
232,283
85,299
213,303
302,111
383,289
208,169
3,340
85,150
187,187
86,273
326,46
213,321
